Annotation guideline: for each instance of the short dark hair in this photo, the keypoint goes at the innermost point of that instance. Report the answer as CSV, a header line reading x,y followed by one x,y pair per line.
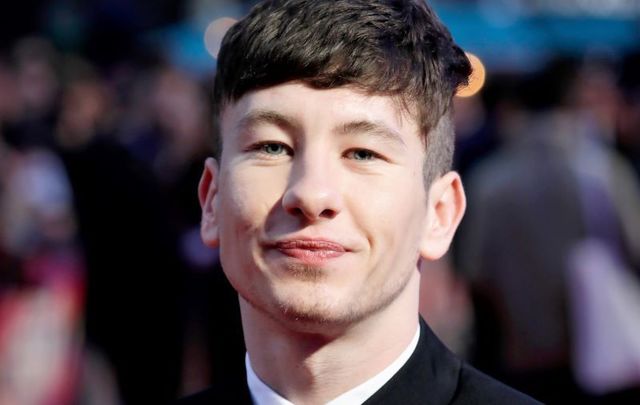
x,y
385,47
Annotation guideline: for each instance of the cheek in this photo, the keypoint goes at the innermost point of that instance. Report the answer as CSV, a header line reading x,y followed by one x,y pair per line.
x,y
247,198
393,213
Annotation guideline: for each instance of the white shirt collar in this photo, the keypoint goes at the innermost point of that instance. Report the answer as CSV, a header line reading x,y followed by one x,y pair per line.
x,y
262,394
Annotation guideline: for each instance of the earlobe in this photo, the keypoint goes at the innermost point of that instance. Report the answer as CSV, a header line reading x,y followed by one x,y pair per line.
x,y
446,206
207,192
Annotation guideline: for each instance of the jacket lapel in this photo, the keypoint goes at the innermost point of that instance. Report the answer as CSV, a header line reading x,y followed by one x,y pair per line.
x,y
429,376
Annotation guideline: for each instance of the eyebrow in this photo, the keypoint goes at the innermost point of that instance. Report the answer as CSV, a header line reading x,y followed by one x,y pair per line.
x,y
290,124
372,128
260,116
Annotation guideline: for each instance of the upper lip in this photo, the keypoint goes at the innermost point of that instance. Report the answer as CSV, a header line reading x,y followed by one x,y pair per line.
x,y
308,244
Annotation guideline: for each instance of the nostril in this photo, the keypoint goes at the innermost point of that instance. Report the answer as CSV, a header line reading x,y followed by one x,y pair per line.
x,y
296,211
328,213
301,212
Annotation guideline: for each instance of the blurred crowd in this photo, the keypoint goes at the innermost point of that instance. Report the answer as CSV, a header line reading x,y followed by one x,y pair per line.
x,y
550,245
105,284
108,296
542,288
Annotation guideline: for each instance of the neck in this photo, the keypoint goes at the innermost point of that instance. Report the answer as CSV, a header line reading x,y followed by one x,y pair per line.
x,y
316,367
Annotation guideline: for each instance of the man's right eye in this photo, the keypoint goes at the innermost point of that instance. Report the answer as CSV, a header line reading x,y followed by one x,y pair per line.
x,y
271,149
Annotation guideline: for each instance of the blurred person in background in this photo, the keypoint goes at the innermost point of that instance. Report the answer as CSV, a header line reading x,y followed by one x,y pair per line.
x,y
174,142
41,264
41,280
182,115
604,268
133,267
555,183
62,110
138,230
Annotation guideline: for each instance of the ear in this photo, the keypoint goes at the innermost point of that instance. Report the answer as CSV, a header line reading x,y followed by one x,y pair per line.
x,y
446,206
207,191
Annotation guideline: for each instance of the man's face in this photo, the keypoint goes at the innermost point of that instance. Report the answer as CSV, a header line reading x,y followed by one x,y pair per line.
x,y
319,206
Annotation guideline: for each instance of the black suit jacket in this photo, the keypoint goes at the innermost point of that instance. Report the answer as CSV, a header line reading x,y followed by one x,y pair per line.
x,y
432,375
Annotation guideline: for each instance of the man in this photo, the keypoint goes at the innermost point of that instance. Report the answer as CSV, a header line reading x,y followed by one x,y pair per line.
x,y
332,185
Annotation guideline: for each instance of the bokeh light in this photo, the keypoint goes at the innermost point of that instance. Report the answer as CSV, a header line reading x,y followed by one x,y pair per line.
x,y
215,32
477,78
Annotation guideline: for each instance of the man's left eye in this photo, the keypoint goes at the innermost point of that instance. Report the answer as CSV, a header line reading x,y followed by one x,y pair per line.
x,y
273,148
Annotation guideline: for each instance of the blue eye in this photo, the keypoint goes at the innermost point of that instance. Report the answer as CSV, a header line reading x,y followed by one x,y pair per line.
x,y
362,154
273,148
269,150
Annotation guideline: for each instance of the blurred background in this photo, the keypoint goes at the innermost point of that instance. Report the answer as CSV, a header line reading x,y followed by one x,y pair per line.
x,y
107,295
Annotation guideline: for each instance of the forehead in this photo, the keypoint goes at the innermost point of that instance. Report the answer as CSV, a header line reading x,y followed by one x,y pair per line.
x,y
314,107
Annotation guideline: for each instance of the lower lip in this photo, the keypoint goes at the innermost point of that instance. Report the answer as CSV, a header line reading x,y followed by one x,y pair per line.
x,y
311,256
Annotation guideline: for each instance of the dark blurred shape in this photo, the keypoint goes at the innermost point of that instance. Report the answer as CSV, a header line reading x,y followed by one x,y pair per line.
x,y
36,72
133,279
113,28
179,129
19,19
628,136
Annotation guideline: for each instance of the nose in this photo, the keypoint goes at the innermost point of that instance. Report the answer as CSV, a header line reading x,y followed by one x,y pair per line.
x,y
313,192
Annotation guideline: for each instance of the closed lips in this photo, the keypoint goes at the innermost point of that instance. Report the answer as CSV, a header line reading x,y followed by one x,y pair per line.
x,y
318,245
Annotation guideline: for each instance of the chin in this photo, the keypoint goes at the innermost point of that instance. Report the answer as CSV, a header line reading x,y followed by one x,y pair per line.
x,y
316,314
314,321
306,311
312,312
313,302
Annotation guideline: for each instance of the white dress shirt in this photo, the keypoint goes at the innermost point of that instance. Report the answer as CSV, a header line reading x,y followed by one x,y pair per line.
x,y
262,394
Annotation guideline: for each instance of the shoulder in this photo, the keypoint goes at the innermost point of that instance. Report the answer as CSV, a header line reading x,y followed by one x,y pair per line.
x,y
434,375
475,387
